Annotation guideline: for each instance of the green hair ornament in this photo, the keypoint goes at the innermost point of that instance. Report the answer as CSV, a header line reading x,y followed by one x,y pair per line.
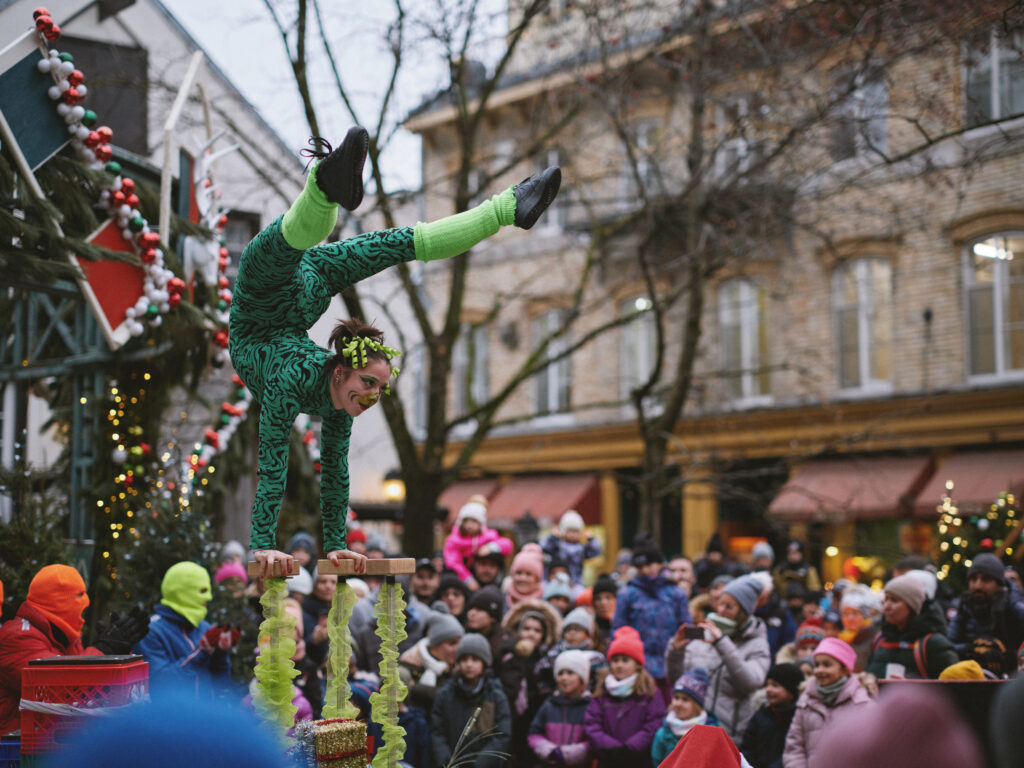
x,y
355,352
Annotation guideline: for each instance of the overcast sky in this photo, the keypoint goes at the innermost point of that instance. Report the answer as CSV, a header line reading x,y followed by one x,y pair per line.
x,y
245,44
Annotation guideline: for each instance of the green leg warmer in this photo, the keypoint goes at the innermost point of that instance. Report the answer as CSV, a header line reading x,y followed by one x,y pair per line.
x,y
456,234
311,218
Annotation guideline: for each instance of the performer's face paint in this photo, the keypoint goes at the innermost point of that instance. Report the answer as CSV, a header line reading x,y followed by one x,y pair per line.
x,y
361,388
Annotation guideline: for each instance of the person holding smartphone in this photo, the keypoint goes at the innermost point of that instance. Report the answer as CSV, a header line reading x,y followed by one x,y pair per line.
x,y
732,645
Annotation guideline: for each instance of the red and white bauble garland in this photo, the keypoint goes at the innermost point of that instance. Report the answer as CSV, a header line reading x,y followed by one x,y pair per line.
x,y
161,289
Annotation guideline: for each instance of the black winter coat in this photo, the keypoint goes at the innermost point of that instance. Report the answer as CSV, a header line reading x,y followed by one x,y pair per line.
x,y
453,707
765,738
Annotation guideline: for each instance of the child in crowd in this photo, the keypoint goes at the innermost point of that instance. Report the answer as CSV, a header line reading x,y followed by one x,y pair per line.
x,y
685,711
470,536
627,709
525,576
556,734
577,635
801,650
473,686
530,629
835,689
558,592
765,737
570,544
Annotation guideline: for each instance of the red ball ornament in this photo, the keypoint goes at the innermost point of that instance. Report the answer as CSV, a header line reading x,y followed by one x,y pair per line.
x,y
223,220
106,135
132,200
237,380
71,96
92,140
129,480
103,153
147,449
174,300
148,256
222,264
44,22
52,34
127,186
316,467
149,240
117,198
222,282
76,77
212,438
223,252
220,338
175,285
40,11
207,183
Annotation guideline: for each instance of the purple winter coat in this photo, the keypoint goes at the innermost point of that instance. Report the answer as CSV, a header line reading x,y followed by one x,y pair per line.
x,y
559,724
630,722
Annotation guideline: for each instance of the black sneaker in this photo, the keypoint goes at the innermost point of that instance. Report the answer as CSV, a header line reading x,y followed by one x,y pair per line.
x,y
340,174
534,194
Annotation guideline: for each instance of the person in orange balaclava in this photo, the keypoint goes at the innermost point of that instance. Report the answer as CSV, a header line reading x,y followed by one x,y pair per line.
x,y
49,623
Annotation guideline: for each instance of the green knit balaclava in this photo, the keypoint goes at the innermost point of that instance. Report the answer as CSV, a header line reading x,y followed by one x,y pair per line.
x,y
186,589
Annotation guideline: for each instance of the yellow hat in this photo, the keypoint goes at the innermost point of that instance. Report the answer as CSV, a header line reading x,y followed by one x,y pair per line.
x,y
963,670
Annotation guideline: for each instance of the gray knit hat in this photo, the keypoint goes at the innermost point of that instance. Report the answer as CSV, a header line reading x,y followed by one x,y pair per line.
x,y
908,589
443,627
474,644
745,591
579,617
988,564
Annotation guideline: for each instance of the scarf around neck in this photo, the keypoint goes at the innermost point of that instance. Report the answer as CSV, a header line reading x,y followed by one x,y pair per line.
x,y
681,727
728,626
514,597
620,688
829,693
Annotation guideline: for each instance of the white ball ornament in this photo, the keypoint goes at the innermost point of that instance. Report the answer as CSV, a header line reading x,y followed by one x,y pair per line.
x,y
156,321
130,313
82,91
126,234
63,85
43,65
78,110
54,54
63,109
83,133
119,456
983,524
105,195
116,184
53,92
66,68
125,210
165,307
141,305
136,329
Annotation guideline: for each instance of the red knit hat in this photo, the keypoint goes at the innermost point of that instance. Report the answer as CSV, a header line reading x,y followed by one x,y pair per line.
x,y
628,643
356,535
58,592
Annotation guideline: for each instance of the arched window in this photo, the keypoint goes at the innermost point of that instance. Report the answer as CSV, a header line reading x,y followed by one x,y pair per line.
x,y
994,281
862,297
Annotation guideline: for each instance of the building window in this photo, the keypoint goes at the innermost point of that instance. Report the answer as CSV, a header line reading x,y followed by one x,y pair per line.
x,y
994,280
469,368
863,304
645,137
994,78
736,148
862,104
556,216
639,346
240,229
744,334
553,384
415,366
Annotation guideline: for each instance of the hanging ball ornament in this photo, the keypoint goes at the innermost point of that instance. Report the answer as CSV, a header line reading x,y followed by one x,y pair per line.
x,y
983,524
119,456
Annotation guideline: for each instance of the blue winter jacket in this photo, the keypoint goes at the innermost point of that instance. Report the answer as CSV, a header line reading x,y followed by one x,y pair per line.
x,y
655,608
572,554
175,659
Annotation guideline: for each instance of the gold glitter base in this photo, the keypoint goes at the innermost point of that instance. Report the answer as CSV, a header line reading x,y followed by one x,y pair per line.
x,y
340,737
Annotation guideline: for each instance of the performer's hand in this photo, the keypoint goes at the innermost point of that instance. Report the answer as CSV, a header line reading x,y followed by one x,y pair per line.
x,y
359,561
267,557
220,639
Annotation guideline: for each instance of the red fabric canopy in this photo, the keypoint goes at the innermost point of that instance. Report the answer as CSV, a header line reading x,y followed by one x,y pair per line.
x,y
546,498
852,488
978,478
458,493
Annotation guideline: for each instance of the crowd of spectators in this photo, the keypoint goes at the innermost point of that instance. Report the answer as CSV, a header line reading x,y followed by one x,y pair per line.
x,y
655,663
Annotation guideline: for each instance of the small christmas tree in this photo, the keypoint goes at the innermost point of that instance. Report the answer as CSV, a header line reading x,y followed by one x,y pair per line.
x,y
963,535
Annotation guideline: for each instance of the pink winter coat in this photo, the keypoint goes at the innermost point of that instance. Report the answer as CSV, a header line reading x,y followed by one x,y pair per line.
x,y
805,745
460,551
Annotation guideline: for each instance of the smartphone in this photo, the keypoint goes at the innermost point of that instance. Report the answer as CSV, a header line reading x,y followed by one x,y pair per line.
x,y
693,633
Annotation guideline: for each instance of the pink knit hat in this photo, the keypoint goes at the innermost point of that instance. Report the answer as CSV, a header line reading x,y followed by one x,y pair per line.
x,y
229,570
530,558
838,650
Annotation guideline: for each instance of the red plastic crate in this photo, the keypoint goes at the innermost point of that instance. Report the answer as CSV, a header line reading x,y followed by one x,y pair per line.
x,y
84,682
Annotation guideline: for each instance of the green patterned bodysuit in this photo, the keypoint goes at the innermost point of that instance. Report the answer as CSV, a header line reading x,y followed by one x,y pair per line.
x,y
280,293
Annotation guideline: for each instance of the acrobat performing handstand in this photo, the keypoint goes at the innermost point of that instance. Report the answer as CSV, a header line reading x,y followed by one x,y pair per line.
x,y
285,283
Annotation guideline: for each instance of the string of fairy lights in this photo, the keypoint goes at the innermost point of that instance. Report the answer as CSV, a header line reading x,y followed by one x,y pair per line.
x,y
963,535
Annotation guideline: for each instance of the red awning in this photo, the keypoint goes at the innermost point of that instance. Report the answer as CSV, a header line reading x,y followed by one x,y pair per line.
x,y
458,493
852,489
978,478
546,498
